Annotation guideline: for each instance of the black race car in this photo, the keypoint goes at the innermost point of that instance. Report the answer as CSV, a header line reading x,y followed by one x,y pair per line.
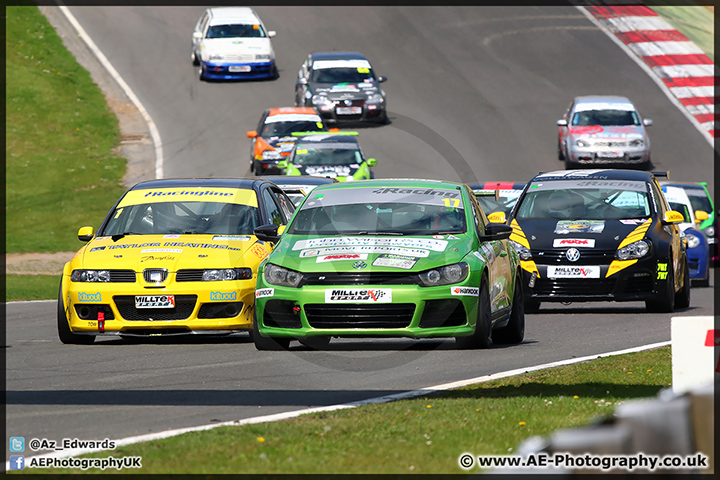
x,y
342,86
593,235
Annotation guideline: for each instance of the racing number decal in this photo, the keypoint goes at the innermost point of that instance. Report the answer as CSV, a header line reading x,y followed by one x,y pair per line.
x,y
451,202
363,70
662,271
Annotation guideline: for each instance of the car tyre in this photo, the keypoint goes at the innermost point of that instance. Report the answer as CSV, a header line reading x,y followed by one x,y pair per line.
x,y
560,153
682,297
267,343
514,331
195,60
317,342
64,333
481,336
201,74
665,304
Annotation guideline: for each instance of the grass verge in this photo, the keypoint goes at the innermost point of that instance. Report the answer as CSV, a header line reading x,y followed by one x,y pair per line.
x,y
31,287
421,436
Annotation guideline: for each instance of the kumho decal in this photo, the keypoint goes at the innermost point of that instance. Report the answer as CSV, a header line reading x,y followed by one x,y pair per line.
x,y
372,295
89,297
465,291
217,296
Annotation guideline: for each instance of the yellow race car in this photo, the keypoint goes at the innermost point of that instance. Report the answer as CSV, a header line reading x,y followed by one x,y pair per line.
x,y
176,256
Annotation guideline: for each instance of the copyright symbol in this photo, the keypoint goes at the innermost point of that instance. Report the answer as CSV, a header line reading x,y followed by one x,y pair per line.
x,y
466,461
34,444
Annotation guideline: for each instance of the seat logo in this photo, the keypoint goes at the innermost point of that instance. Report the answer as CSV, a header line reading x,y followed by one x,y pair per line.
x,y
573,254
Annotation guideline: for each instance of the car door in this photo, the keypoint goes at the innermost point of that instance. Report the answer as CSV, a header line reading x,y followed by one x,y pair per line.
x,y
678,251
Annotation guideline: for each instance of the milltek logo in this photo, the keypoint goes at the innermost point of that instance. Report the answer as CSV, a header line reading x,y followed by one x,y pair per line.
x,y
215,296
89,297
465,291
372,295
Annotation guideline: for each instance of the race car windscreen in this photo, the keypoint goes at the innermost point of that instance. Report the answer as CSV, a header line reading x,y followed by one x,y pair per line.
x,y
582,199
278,129
169,218
342,75
381,211
504,203
699,200
235,30
606,118
327,154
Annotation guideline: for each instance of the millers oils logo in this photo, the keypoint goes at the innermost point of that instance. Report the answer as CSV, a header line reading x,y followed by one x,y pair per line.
x,y
371,295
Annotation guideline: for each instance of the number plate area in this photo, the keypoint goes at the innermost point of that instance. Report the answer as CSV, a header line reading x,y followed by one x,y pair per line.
x,y
239,68
610,154
154,301
348,110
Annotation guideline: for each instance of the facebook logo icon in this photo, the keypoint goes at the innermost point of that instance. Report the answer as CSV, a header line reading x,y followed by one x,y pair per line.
x,y
17,444
17,462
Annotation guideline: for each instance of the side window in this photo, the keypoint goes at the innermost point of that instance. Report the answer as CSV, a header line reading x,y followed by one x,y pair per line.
x,y
204,22
478,215
286,206
273,211
660,201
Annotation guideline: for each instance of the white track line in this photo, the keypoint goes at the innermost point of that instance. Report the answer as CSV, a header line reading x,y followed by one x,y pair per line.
x,y
126,88
385,399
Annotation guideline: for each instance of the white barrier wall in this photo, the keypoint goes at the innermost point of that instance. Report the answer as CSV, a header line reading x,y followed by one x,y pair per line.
x,y
694,356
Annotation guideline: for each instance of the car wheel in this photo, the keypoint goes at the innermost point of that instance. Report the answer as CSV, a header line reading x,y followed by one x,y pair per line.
x,y
666,303
560,153
275,73
514,331
569,165
316,343
481,336
66,336
201,74
267,343
532,305
195,60
257,169
682,297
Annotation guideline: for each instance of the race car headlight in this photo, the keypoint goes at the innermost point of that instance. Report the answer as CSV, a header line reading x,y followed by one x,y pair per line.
x,y
90,276
262,56
693,240
271,155
634,250
222,274
638,142
321,100
709,231
446,275
582,143
216,56
522,251
275,275
375,98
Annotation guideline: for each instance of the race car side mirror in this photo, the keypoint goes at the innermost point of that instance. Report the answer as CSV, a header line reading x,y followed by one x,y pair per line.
x,y
497,217
498,231
272,33
381,79
671,216
197,35
302,81
252,134
562,123
371,162
267,233
282,164
647,122
701,215
85,234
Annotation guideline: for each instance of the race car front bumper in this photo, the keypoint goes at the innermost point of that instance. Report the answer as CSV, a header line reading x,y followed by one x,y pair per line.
x,y
237,71
625,156
366,113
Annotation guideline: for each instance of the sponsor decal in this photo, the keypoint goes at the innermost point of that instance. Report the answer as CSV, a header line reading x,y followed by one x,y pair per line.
x,y
199,193
264,292
148,258
439,237
465,291
479,255
417,191
174,235
413,252
219,296
632,221
426,243
154,301
662,271
161,250
346,256
396,261
574,242
259,251
452,237
95,249
564,271
231,238
89,297
579,226
358,295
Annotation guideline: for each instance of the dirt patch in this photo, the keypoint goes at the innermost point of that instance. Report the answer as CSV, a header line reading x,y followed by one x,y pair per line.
x,y
37,263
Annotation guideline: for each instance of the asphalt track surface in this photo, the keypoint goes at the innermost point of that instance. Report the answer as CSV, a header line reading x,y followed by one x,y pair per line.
x,y
473,94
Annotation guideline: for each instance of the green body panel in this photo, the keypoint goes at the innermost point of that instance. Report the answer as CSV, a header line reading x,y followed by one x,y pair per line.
x,y
711,215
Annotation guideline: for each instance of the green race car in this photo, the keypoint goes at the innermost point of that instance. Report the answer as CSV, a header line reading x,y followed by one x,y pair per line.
x,y
336,156
403,258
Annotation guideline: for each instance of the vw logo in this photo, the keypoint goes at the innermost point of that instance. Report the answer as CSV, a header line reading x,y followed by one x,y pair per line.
x,y
359,265
348,102
573,254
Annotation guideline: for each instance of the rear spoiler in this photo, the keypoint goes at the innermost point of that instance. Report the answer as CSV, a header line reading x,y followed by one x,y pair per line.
x,y
662,174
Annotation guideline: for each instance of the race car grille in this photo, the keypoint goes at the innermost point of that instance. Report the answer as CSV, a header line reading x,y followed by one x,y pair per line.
x,y
356,102
351,278
155,275
443,313
220,310
184,306
122,276
280,313
574,287
350,315
587,257
239,58
190,275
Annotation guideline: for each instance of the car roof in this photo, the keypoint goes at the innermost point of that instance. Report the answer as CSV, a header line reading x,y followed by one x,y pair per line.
x,y
237,14
328,138
298,180
685,185
399,183
497,185
675,194
609,174
291,111
338,56
602,99
243,183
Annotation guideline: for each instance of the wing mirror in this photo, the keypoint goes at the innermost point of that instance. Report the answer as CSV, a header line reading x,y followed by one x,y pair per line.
x,y
701,216
252,134
498,231
267,233
371,162
647,122
497,217
85,234
282,164
302,81
271,33
671,216
562,123
197,35
381,79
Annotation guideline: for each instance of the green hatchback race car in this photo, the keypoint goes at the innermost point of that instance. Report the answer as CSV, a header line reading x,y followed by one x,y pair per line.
x,y
390,258
337,156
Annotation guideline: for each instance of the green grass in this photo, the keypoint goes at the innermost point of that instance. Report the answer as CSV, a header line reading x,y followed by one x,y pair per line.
x,y
31,287
61,168
421,436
